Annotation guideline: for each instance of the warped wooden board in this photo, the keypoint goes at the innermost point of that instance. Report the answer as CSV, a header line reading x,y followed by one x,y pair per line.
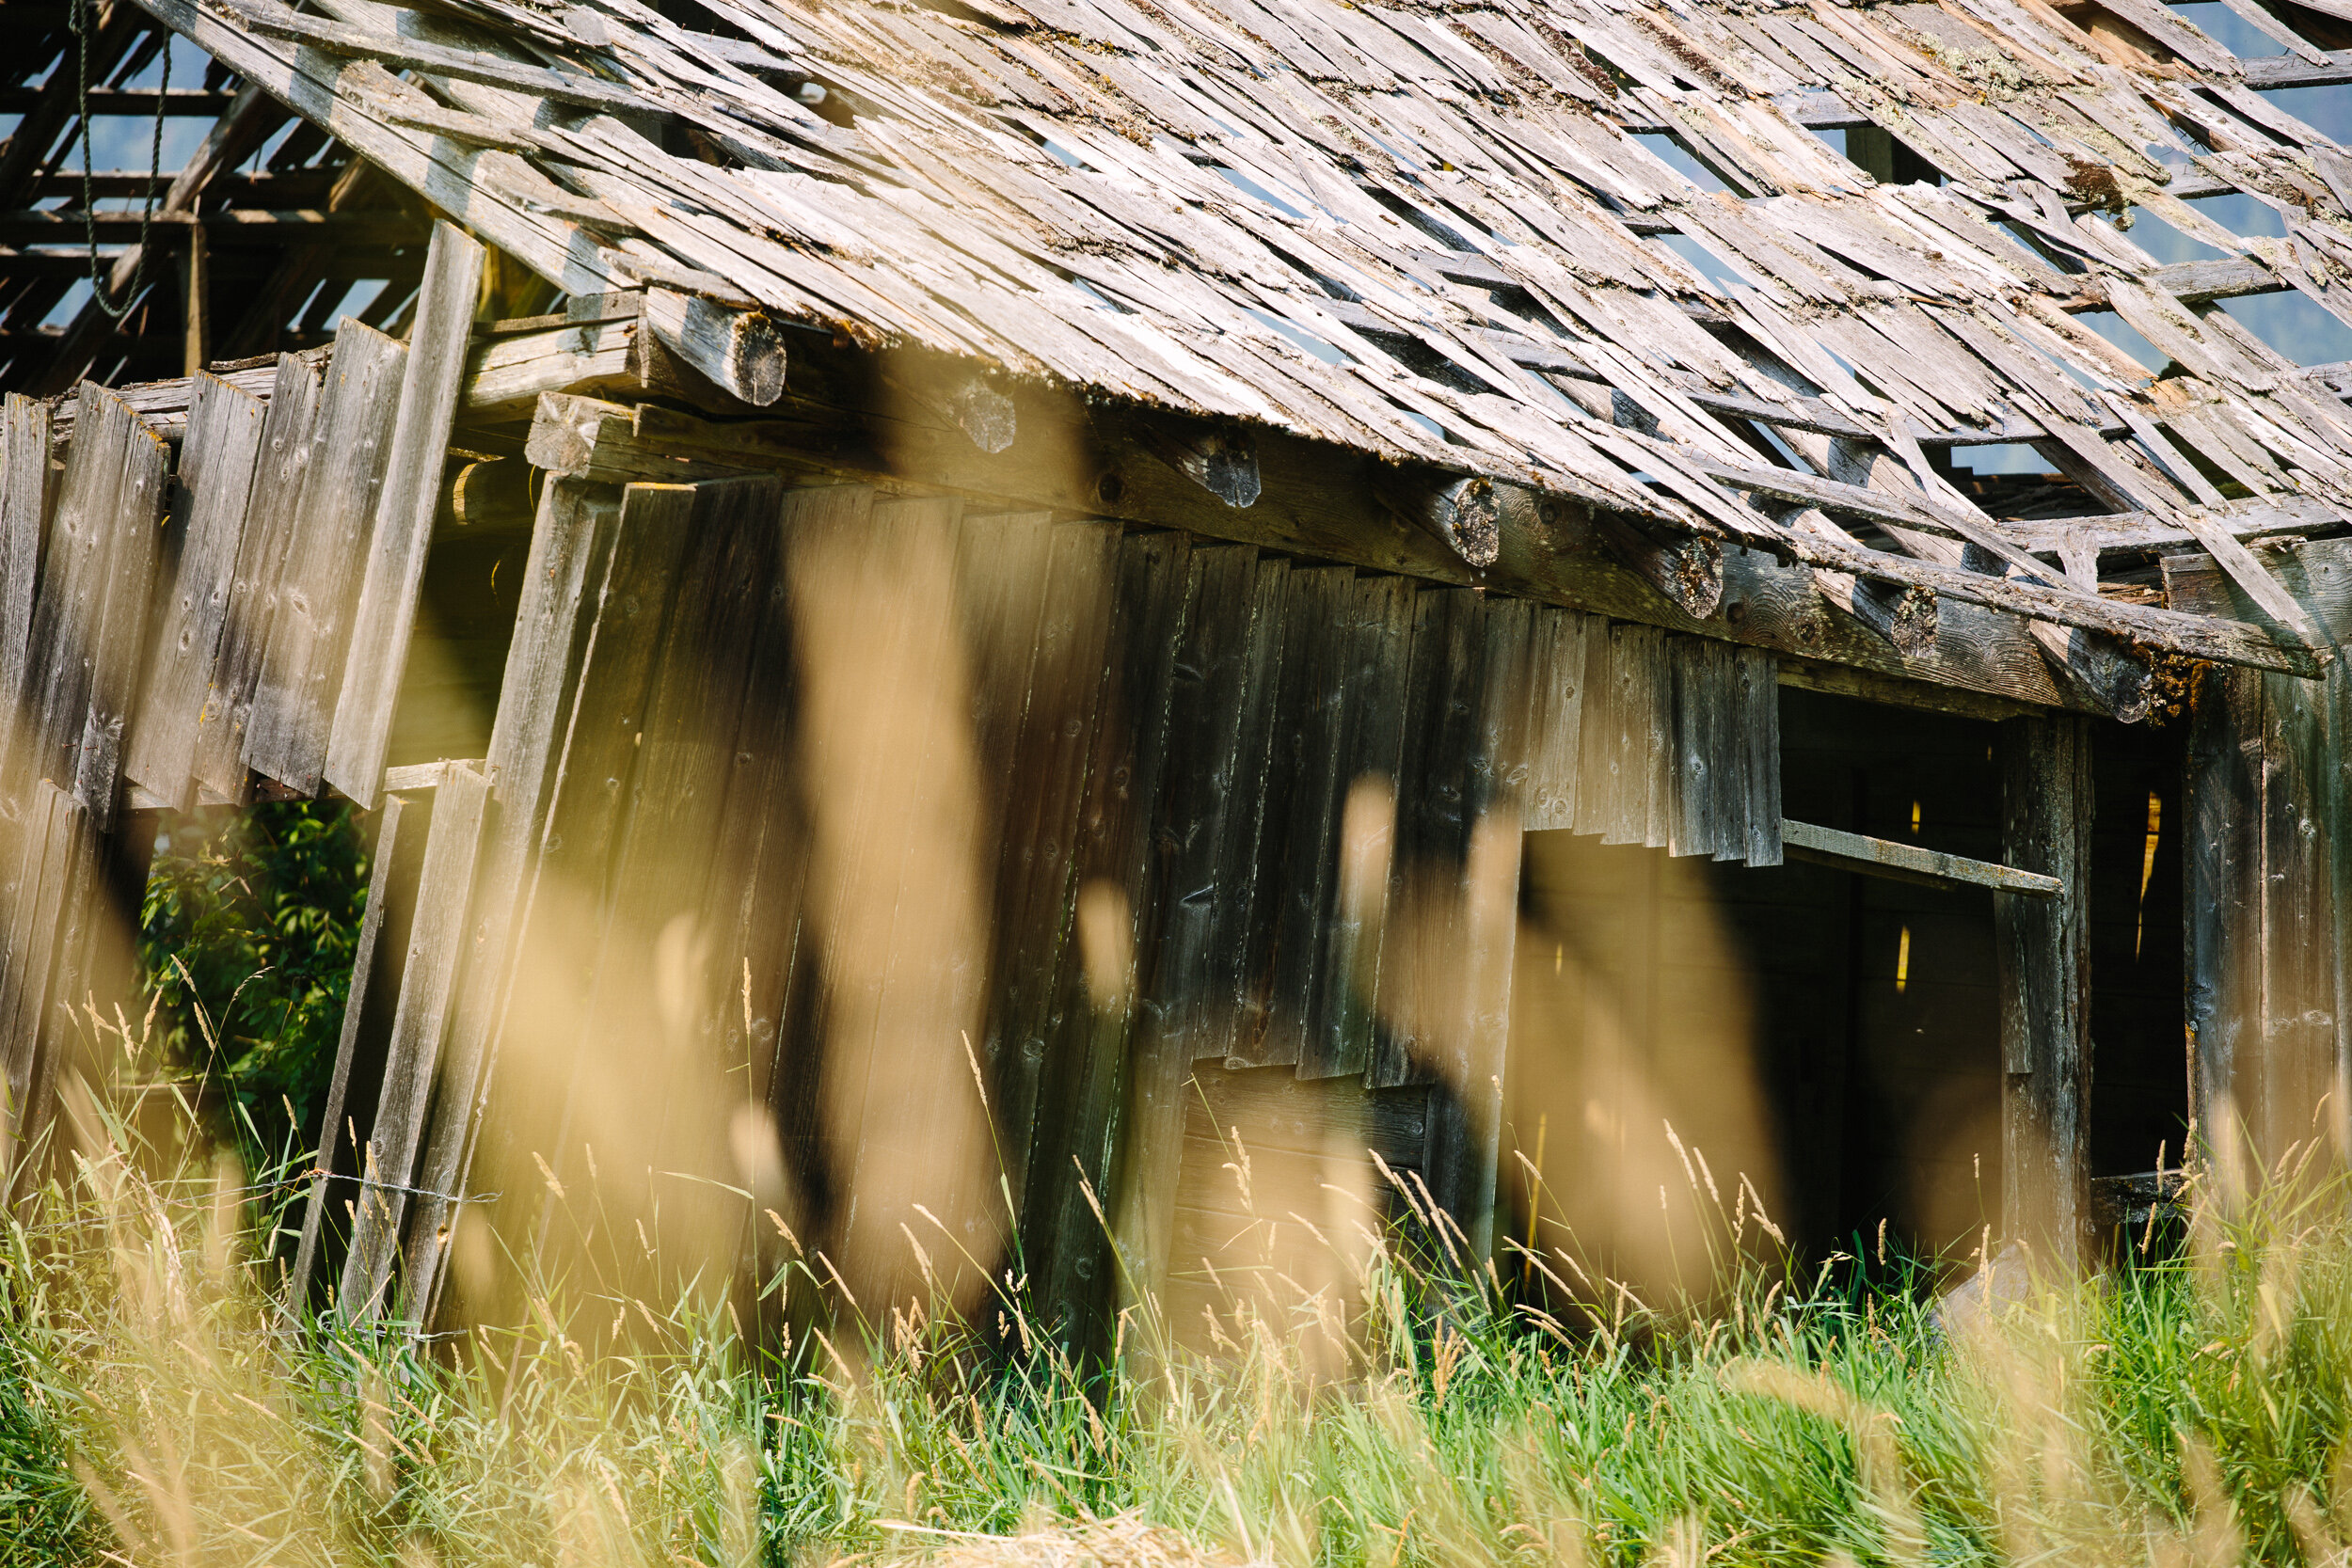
x,y
440,936
327,540
384,619
281,470
218,463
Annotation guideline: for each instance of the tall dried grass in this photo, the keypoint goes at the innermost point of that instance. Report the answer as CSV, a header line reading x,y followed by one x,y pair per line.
x,y
2190,1408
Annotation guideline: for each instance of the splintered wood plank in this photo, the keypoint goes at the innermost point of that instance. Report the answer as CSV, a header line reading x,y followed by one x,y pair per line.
x,y
118,648
217,460
384,619
438,938
573,541
309,621
1379,681
27,488
1298,859
1201,790
1758,676
280,470
1233,962
1555,697
55,845
357,1083
68,613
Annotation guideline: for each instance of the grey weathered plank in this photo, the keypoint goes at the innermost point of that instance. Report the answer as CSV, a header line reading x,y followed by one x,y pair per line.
x,y
1555,697
118,645
218,459
67,615
347,1123
573,546
53,845
310,621
1759,732
1908,862
438,940
276,497
385,616
2044,983
1702,694
27,488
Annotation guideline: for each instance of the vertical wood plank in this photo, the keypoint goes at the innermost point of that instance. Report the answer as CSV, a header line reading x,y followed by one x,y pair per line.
x,y
1555,720
53,846
2224,933
276,497
1182,999
1377,697
1702,695
438,941
2302,935
574,547
385,616
1733,780
603,580
1436,781
71,605
1040,1005
1090,1143
347,1123
218,459
1299,860
1237,1022
117,652
310,623
1759,693
27,488
1138,1085
1599,736
2044,983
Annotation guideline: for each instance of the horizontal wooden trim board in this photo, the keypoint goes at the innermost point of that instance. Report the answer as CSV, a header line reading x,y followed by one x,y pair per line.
x,y
425,775
1907,863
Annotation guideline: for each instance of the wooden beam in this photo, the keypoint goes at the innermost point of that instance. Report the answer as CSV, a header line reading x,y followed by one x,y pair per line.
x,y
1908,863
1464,514
1317,503
1687,569
1222,461
2042,955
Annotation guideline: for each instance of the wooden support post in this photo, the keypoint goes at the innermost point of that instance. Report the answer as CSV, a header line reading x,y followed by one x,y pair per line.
x,y
197,338
2044,981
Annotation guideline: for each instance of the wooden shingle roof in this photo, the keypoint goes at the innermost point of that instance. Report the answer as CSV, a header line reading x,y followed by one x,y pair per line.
x,y
1472,241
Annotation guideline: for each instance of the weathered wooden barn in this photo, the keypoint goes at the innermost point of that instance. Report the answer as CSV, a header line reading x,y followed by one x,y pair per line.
x,y
949,599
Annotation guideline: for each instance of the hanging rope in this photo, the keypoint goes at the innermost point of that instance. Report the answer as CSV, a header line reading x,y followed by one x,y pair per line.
x,y
83,19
